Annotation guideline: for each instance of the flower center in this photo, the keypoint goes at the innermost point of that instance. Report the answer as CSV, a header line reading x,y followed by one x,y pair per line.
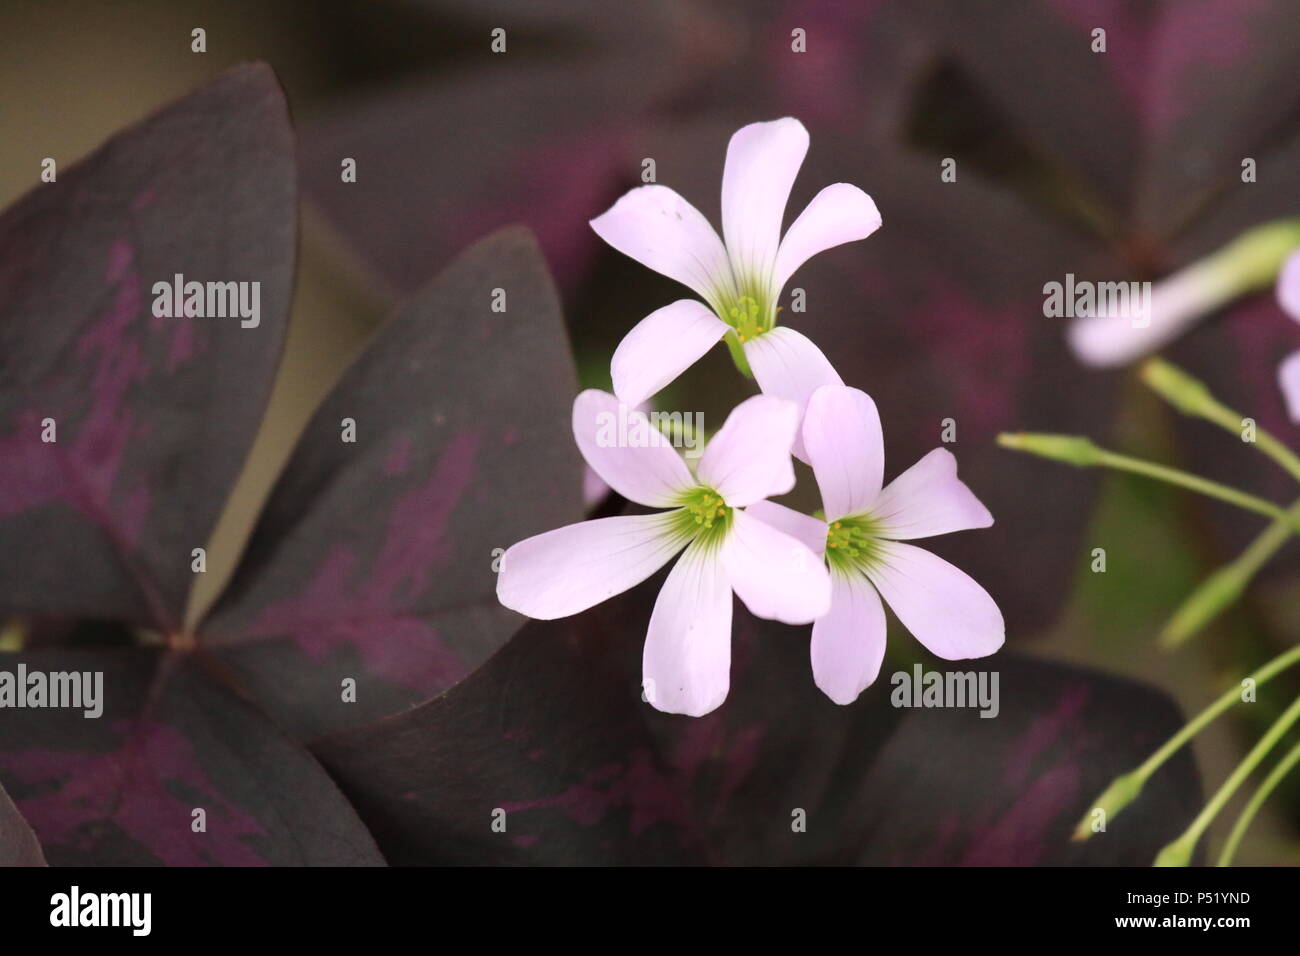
x,y
704,515
853,542
745,315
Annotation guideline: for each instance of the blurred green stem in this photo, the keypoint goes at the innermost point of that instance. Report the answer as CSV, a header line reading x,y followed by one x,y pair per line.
x,y
1191,397
1196,483
1125,788
1179,852
1226,584
1081,452
1275,777
1252,261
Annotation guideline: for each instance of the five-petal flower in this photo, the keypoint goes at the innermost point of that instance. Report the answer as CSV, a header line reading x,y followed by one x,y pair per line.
x,y
687,656
862,540
741,279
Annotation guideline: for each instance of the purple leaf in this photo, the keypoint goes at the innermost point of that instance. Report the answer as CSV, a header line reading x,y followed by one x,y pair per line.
x,y
1156,124
18,844
152,416
526,141
952,787
553,733
373,560
127,787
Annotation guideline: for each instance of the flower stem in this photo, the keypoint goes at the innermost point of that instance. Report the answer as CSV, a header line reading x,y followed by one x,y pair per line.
x,y
1179,852
1252,261
1125,788
1226,584
738,354
1275,776
1194,483
1083,453
1191,397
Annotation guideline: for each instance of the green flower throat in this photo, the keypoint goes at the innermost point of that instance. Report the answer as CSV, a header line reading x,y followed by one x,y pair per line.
x,y
746,316
703,515
749,315
853,543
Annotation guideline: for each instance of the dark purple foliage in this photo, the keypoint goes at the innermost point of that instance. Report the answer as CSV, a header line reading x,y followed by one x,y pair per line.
x,y
553,732
1117,165
372,560
18,844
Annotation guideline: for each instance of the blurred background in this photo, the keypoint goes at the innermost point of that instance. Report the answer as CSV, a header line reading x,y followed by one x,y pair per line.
x,y
1116,165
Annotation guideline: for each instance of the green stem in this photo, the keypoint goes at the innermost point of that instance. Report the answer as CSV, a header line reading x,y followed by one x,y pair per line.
x,y
1125,788
1179,852
1082,453
1226,584
1191,397
1194,483
738,354
1252,261
1275,777
1222,703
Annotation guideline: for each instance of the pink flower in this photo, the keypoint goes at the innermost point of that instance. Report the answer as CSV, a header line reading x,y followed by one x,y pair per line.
x,y
740,280
1177,303
1288,296
687,657
594,489
862,539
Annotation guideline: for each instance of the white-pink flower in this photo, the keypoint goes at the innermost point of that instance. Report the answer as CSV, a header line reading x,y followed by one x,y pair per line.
x,y
862,540
1177,303
687,656
1288,296
741,279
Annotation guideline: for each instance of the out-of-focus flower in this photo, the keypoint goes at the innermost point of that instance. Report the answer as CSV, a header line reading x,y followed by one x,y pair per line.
x,y
1247,264
741,279
861,538
1288,296
687,657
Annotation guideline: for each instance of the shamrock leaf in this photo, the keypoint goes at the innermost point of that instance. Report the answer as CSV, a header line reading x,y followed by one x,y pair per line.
x,y
373,562
374,559
176,771
120,432
548,754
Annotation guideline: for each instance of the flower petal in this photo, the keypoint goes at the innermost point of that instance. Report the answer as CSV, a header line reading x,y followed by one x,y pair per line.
x,y
661,230
594,489
841,432
848,642
1288,286
570,569
838,214
1288,379
1177,303
749,458
811,531
632,456
786,364
762,162
777,576
929,499
661,346
941,605
686,663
